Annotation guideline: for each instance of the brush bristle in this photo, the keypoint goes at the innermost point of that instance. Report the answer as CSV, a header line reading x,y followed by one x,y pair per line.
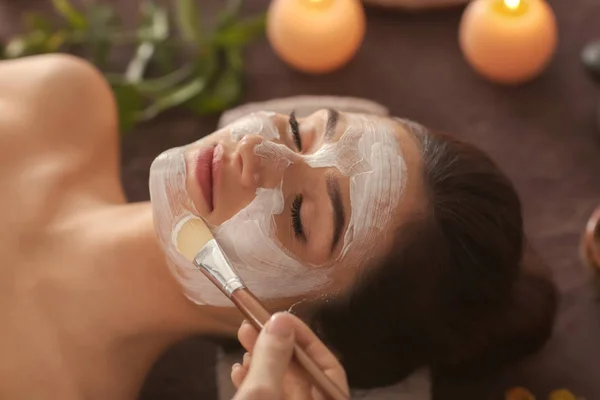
x,y
192,236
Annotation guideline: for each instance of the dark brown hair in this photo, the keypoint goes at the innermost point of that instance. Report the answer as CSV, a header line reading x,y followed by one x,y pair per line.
x,y
456,292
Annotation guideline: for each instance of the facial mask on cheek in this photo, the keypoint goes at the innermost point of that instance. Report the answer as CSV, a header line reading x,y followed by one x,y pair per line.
x,y
172,207
367,152
248,238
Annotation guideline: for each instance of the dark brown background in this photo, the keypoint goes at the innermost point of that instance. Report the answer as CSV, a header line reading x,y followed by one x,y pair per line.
x,y
544,135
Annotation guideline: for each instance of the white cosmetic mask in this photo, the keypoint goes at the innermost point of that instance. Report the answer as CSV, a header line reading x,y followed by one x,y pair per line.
x,y
367,152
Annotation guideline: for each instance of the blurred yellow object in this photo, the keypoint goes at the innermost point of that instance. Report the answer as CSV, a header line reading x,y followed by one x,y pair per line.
x,y
519,393
508,41
561,394
316,36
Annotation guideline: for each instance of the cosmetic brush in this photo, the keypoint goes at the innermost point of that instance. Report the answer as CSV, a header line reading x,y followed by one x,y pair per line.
x,y
196,243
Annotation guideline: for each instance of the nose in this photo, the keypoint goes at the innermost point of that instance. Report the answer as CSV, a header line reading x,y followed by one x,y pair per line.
x,y
258,169
249,162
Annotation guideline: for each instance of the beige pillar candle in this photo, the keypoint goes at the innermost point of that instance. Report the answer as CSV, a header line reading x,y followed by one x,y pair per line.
x,y
315,36
508,41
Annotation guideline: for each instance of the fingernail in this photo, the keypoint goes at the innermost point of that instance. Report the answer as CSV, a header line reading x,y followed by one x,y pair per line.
x,y
280,327
236,366
247,358
244,322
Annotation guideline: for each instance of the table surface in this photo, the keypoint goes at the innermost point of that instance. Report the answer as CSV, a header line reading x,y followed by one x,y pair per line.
x,y
543,134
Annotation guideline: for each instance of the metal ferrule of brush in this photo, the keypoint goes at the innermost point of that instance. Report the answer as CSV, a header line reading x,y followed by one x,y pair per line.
x,y
212,262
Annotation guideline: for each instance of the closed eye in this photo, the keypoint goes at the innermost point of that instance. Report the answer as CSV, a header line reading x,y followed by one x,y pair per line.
x,y
295,131
296,220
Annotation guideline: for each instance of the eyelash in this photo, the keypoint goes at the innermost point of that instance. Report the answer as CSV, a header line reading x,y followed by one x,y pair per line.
x,y
295,131
296,221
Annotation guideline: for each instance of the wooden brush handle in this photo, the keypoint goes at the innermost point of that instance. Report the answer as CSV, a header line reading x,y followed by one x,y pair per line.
x,y
258,317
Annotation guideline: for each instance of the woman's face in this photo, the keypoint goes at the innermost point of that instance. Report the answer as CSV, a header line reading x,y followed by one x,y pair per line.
x,y
293,200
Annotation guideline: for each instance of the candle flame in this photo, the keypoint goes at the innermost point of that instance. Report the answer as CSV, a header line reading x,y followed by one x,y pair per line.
x,y
512,4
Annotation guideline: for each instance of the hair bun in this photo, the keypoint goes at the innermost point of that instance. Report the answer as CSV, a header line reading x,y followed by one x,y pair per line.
x,y
518,328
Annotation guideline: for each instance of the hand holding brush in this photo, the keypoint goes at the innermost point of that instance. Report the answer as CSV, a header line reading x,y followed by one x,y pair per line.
x,y
267,371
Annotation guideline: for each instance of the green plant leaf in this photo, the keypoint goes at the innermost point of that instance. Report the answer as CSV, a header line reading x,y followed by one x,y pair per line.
x,y
102,16
37,22
129,103
242,32
36,42
164,57
207,65
137,66
230,14
16,47
100,52
224,94
211,82
235,58
55,41
102,22
174,98
164,83
188,20
75,19
156,22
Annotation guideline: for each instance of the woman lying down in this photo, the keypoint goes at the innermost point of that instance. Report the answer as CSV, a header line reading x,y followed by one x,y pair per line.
x,y
401,247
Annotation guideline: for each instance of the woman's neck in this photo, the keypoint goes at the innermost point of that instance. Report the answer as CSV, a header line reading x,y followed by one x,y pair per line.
x,y
115,305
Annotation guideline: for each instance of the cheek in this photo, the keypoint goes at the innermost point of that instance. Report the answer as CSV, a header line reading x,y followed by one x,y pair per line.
x,y
250,242
232,199
301,179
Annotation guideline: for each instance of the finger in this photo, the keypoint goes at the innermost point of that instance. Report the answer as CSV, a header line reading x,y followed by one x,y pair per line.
x,y
271,356
296,384
320,354
247,336
246,360
238,373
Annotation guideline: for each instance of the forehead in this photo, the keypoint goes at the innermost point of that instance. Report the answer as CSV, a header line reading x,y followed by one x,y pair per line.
x,y
365,149
344,121
398,204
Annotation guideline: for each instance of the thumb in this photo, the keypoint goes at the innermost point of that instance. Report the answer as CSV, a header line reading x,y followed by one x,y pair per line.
x,y
271,356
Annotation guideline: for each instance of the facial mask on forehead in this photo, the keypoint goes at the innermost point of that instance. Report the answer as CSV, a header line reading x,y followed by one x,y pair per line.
x,y
367,152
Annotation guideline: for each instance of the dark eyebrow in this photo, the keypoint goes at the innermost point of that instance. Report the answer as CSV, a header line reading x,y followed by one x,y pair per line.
x,y
339,216
332,119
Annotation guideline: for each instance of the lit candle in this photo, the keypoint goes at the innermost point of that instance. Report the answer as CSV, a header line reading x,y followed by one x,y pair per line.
x,y
316,36
508,41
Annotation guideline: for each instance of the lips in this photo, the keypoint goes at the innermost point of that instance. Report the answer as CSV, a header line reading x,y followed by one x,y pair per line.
x,y
218,154
204,174
208,172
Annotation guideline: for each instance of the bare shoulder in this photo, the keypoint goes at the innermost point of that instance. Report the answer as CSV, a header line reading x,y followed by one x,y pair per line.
x,y
50,72
56,91
56,83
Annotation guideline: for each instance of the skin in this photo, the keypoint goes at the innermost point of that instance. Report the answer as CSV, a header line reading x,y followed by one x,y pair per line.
x,y
87,302
242,171
267,372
